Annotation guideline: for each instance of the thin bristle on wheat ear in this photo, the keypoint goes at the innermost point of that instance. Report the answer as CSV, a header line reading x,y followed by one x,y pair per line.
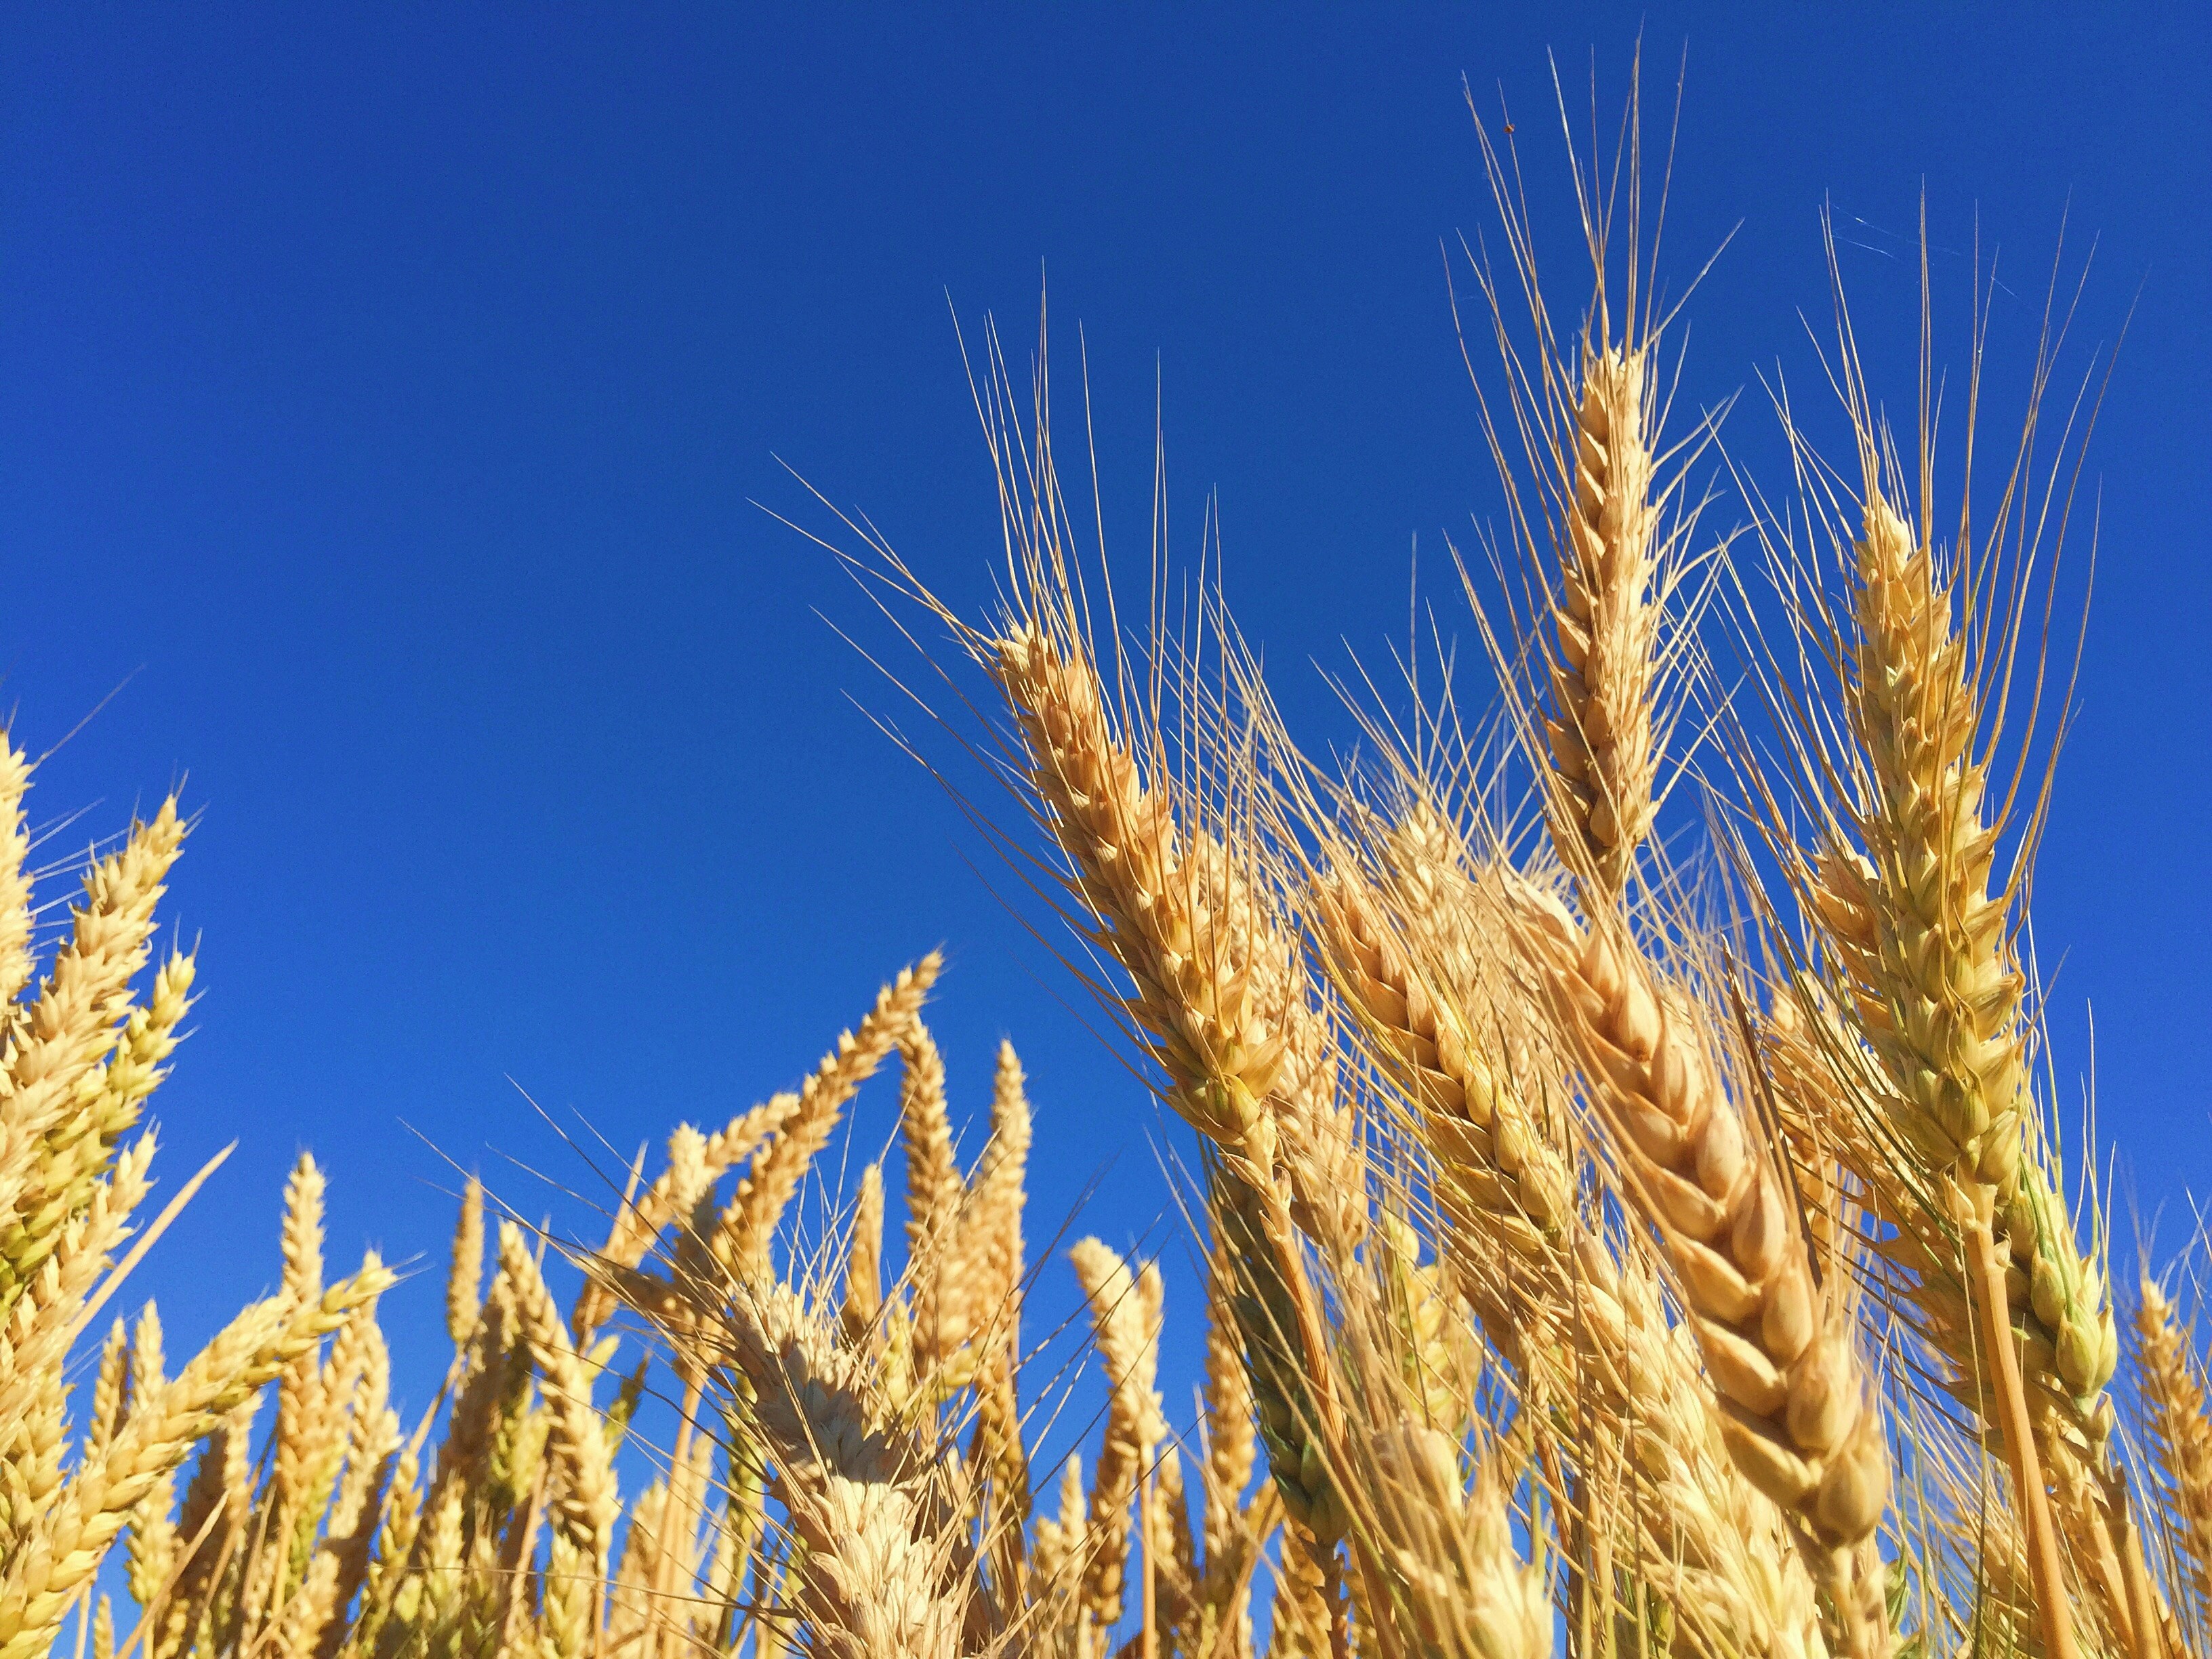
x,y
1794,1410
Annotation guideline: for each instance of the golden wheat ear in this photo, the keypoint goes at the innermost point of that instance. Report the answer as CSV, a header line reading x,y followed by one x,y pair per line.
x,y
1595,647
2177,1443
1792,1400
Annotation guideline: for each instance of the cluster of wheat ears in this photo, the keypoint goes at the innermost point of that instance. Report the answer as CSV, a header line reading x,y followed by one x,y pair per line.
x,y
1616,1244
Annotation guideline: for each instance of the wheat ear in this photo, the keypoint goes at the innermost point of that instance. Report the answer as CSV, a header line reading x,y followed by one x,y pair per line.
x,y
989,1255
1606,621
464,1282
587,1502
864,1257
1202,964
1556,1302
50,1571
1928,950
643,1218
749,1223
934,1192
1463,1588
1794,1410
152,1551
1134,1428
16,962
2179,1437
299,1390
1504,1181
857,1488
49,1149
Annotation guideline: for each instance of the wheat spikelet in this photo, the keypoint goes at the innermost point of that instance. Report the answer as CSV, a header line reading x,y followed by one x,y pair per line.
x,y
134,1069
863,1256
1927,942
1502,1179
400,1522
79,1147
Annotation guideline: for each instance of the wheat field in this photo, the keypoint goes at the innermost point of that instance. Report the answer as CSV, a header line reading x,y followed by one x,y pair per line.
x,y
1620,1239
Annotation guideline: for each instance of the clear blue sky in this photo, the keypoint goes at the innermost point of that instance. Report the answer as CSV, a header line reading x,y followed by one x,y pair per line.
x,y
385,388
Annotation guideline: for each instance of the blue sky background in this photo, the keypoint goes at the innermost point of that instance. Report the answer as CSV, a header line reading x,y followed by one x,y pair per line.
x,y
382,392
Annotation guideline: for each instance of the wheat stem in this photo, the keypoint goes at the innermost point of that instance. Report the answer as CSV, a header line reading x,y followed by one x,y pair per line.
x,y
2028,1489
